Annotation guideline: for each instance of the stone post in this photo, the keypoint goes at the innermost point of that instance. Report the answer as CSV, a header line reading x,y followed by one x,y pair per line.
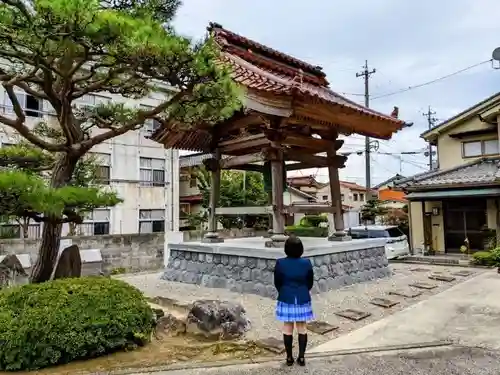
x,y
338,234
213,165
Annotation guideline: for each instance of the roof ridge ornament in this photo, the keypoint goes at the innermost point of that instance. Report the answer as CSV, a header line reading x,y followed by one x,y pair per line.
x,y
298,80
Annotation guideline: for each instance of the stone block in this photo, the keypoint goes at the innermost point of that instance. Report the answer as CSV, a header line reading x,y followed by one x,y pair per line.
x,y
444,278
352,314
187,255
246,274
425,286
407,293
252,263
322,285
463,273
321,328
242,261
272,344
217,259
383,302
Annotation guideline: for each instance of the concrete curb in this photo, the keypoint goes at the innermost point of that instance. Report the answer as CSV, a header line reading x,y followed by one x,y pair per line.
x,y
228,363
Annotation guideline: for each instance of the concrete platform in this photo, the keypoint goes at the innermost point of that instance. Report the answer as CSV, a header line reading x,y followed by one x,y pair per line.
x,y
246,265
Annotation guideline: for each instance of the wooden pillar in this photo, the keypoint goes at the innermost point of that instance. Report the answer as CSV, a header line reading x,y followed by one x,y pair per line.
x,y
213,165
338,234
278,237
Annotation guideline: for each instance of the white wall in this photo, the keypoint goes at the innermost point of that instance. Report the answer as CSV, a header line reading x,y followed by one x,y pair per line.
x,y
125,152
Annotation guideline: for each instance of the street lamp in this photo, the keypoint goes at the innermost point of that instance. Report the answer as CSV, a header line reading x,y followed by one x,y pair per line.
x,y
496,57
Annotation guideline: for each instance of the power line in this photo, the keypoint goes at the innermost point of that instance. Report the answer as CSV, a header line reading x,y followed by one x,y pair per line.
x,y
432,81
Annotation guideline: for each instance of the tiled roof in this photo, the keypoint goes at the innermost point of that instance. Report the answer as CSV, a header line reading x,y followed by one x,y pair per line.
x,y
394,179
479,172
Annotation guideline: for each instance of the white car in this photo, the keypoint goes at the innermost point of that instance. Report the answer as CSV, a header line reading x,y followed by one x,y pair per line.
x,y
397,242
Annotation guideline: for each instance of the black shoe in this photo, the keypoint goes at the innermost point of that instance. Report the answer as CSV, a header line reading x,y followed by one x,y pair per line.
x,y
302,349
288,341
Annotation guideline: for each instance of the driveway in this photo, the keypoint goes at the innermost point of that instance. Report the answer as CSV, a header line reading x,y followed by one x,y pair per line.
x,y
446,361
467,314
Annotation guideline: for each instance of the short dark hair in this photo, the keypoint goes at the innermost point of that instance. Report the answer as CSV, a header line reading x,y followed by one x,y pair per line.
x,y
294,247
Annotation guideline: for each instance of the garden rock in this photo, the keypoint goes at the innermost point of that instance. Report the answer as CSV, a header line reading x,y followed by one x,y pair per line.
x,y
69,263
169,325
217,320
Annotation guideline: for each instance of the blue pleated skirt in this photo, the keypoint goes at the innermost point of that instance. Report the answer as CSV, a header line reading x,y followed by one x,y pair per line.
x,y
286,312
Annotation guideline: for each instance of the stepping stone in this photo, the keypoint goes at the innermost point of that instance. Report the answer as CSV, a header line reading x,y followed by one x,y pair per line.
x,y
463,273
445,278
406,293
352,314
420,270
321,328
272,344
383,302
425,286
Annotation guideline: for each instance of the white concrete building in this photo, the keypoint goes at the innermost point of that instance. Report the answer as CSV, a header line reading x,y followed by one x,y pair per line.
x,y
142,172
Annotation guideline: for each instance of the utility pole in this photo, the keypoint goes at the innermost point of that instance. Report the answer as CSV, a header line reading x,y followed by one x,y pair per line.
x,y
431,120
366,73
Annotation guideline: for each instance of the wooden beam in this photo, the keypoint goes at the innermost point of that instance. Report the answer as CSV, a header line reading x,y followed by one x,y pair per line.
x,y
316,144
250,167
252,210
309,209
338,161
234,161
238,144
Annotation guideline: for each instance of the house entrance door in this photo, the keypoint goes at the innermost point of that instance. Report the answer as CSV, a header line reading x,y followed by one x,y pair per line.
x,y
464,218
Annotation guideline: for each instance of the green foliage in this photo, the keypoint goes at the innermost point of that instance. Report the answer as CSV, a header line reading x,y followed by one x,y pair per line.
x,y
307,231
313,220
483,258
237,189
64,320
397,216
372,209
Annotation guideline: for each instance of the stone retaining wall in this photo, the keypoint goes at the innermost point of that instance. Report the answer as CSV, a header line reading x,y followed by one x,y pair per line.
x,y
254,275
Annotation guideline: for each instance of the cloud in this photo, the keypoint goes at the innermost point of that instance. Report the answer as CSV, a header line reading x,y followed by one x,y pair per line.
x,y
407,42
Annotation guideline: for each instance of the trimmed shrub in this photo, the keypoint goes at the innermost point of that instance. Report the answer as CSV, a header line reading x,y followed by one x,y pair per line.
x,y
483,258
313,220
300,231
59,321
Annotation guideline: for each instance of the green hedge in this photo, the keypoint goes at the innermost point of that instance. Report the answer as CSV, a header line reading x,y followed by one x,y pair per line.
x,y
313,220
307,231
63,320
487,258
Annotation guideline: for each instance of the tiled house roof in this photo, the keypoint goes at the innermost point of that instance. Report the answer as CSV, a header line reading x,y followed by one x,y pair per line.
x,y
485,171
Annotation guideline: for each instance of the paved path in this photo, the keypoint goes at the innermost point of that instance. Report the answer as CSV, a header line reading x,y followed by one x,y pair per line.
x,y
468,314
463,361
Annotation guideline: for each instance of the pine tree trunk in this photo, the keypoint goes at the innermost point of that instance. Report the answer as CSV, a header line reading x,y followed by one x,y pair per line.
x,y
51,235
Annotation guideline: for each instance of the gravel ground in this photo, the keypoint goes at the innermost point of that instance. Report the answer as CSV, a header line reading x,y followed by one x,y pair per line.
x,y
261,310
463,361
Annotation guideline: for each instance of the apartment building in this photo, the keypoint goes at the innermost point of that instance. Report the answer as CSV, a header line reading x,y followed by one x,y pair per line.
x,y
142,172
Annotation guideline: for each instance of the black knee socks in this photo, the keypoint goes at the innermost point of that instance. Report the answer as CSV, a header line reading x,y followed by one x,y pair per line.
x,y
302,344
288,341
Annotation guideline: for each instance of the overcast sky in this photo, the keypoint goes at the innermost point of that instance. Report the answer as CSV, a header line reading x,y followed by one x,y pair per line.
x,y
408,42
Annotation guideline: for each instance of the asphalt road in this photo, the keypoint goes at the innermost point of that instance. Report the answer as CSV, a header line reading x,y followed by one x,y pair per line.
x,y
445,361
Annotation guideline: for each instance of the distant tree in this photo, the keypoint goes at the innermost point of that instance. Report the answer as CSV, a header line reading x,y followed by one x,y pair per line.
x,y
237,189
372,209
62,51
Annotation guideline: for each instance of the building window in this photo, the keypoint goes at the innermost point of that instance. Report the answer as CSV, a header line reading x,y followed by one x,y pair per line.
x,y
185,209
152,172
32,106
151,221
342,197
480,148
92,100
355,197
103,173
96,223
150,125
362,197
193,181
325,197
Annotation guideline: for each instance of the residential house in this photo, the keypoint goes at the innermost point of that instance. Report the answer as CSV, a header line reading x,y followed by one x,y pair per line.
x,y
390,194
353,195
143,173
459,200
